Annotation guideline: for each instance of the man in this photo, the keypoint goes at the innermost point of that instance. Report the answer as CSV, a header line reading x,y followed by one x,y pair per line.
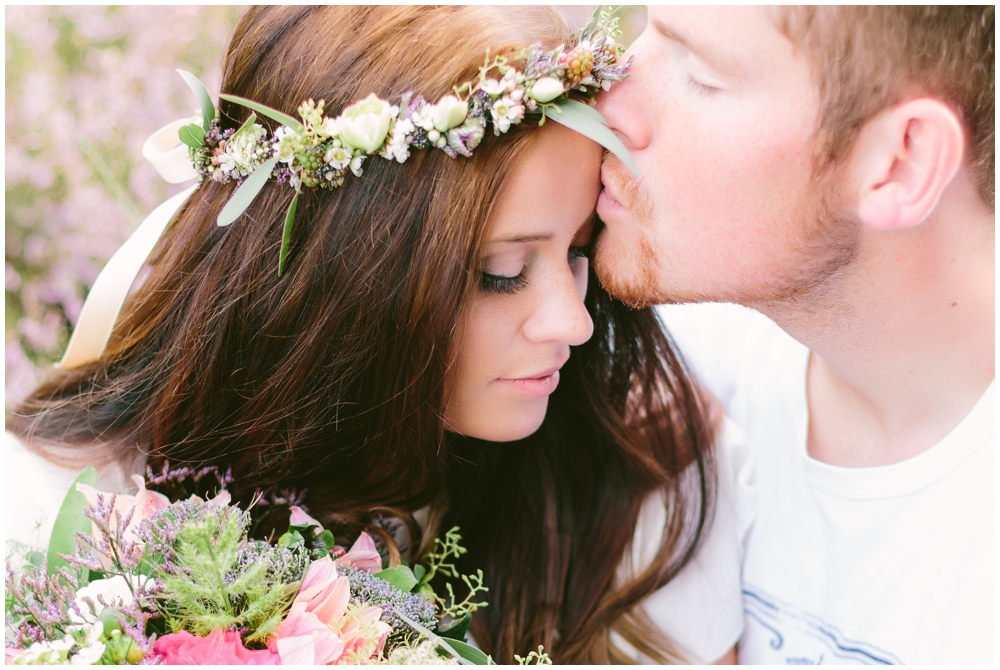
x,y
833,169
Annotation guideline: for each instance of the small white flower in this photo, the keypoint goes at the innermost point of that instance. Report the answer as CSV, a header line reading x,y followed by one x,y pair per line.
x,y
295,181
510,79
88,655
494,87
114,591
505,111
424,117
330,126
242,149
338,157
356,165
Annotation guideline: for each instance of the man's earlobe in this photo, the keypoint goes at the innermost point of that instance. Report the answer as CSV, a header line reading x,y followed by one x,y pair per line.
x,y
906,158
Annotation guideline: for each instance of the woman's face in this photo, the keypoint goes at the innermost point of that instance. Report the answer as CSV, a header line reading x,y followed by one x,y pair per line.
x,y
528,309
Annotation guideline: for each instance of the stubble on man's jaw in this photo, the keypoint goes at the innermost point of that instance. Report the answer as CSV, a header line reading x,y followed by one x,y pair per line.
x,y
630,275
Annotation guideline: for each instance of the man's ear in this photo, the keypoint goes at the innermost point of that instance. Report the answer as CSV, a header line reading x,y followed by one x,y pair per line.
x,y
906,157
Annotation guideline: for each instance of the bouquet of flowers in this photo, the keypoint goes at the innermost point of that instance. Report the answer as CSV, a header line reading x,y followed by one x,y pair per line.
x,y
142,579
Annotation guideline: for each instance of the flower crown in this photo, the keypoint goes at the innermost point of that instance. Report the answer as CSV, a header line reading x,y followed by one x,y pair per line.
x,y
319,151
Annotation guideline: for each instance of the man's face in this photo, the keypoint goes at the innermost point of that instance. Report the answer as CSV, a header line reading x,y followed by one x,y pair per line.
x,y
719,112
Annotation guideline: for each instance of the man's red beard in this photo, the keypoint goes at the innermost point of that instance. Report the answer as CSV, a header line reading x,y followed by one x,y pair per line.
x,y
630,275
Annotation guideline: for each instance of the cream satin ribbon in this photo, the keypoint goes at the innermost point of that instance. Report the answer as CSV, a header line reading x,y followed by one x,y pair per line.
x,y
100,310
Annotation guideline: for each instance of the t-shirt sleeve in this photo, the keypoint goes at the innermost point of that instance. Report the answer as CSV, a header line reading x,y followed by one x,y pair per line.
x,y
701,609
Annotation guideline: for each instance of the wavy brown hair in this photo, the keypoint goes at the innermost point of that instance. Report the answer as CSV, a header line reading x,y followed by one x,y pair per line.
x,y
331,378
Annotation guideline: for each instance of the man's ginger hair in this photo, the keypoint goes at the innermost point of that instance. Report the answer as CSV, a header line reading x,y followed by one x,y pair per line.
x,y
867,59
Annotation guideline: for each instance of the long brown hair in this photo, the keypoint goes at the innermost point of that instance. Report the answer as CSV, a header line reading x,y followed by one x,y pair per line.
x,y
331,378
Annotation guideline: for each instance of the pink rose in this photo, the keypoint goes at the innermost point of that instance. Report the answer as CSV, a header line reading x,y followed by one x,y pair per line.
x,y
362,556
218,648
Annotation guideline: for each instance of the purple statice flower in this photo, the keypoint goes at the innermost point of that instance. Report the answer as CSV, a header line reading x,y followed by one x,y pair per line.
x,y
109,539
39,604
368,589
180,483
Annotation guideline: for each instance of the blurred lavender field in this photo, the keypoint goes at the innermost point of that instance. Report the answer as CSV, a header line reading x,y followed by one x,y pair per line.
x,y
85,87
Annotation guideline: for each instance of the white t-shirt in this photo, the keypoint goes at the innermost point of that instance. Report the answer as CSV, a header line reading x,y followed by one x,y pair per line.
x,y
888,564
700,609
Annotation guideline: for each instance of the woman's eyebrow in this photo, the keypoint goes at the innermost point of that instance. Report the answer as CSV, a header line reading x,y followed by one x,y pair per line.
x,y
521,239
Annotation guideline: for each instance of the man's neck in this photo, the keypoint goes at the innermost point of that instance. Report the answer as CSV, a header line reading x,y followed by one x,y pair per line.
x,y
902,342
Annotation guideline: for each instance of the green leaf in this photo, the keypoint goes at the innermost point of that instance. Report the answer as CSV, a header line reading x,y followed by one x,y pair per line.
x,y
246,193
292,538
280,117
192,135
323,542
419,571
246,124
286,234
458,629
70,521
400,576
470,653
204,99
589,123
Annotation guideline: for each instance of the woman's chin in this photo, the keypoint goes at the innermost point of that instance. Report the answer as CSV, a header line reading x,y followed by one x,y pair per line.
x,y
505,425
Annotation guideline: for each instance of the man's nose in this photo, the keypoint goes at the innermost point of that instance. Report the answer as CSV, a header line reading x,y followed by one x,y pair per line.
x,y
623,106
560,315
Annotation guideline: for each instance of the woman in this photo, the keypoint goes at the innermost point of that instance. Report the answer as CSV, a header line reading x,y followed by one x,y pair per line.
x,y
413,356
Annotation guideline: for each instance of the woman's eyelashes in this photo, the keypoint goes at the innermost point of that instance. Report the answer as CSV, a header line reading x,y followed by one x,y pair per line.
x,y
493,282
502,284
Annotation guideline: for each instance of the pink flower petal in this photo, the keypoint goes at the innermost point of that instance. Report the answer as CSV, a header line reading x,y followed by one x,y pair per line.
x,y
362,556
322,571
300,518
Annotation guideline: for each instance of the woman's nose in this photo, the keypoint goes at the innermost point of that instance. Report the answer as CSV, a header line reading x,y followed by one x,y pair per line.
x,y
560,315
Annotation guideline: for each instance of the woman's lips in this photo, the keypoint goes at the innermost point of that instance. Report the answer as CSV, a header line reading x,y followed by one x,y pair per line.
x,y
535,387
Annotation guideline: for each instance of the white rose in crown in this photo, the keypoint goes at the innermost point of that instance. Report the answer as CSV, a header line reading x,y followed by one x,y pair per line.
x,y
365,124
546,89
449,113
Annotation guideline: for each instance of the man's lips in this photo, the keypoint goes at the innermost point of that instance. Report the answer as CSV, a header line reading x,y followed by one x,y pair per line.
x,y
609,197
537,385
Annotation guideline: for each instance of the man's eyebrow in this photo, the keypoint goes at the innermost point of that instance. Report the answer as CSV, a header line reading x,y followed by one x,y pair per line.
x,y
713,57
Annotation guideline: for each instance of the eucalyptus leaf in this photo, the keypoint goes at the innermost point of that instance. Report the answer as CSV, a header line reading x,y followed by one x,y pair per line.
x,y
246,124
192,135
246,193
583,121
286,234
400,577
458,629
70,521
204,99
470,653
280,117
419,571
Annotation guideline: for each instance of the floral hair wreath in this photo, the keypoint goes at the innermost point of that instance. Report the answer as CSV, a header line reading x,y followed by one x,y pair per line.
x,y
319,151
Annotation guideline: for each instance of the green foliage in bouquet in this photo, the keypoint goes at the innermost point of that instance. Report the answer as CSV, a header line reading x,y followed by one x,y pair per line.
x,y
219,582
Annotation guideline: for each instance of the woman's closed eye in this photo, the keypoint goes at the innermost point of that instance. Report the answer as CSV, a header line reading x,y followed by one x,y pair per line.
x,y
500,281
